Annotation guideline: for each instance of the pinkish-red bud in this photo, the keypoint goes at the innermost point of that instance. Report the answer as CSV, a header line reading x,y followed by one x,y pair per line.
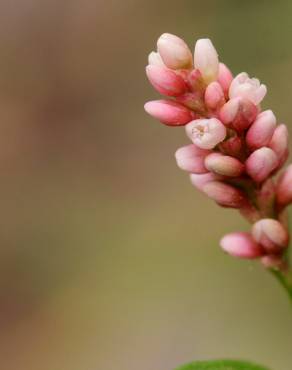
x,y
284,187
239,112
279,142
214,95
169,112
241,245
191,158
224,194
261,131
271,234
224,78
224,165
166,81
200,180
261,163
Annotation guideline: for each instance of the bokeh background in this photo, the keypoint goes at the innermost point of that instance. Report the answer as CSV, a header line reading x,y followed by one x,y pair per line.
x,y
109,258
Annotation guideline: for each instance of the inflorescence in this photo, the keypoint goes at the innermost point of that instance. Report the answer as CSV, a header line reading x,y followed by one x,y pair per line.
x,y
236,147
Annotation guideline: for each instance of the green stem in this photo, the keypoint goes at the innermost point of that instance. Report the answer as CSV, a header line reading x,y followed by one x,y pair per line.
x,y
285,279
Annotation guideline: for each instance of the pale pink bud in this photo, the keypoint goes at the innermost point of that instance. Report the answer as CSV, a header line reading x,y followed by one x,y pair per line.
x,y
261,131
248,88
200,180
224,165
165,81
174,52
239,112
206,133
224,194
261,163
224,77
169,112
154,59
271,234
206,60
279,141
191,158
284,187
214,95
241,245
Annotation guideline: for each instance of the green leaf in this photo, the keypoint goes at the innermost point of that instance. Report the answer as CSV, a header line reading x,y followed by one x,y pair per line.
x,y
221,365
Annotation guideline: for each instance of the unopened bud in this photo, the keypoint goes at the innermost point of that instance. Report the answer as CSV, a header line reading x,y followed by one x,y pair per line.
x,y
241,245
169,112
261,131
284,187
279,141
154,59
174,52
191,158
238,112
224,165
214,95
261,163
200,180
271,234
206,60
165,81
206,133
224,194
224,77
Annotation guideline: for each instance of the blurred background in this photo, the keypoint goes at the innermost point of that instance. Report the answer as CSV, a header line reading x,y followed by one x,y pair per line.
x,y
109,258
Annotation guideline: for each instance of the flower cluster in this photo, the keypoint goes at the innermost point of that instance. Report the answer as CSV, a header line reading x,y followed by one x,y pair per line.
x,y
236,148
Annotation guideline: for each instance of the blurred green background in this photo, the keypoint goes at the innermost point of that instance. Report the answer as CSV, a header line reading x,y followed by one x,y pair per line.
x,y
109,257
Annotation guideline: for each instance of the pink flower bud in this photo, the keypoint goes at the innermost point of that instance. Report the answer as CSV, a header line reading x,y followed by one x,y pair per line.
x,y
248,88
239,112
191,158
261,163
214,95
174,52
241,245
224,77
206,60
279,141
169,112
154,59
165,81
224,165
206,133
224,194
233,146
271,234
284,187
200,180
261,131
